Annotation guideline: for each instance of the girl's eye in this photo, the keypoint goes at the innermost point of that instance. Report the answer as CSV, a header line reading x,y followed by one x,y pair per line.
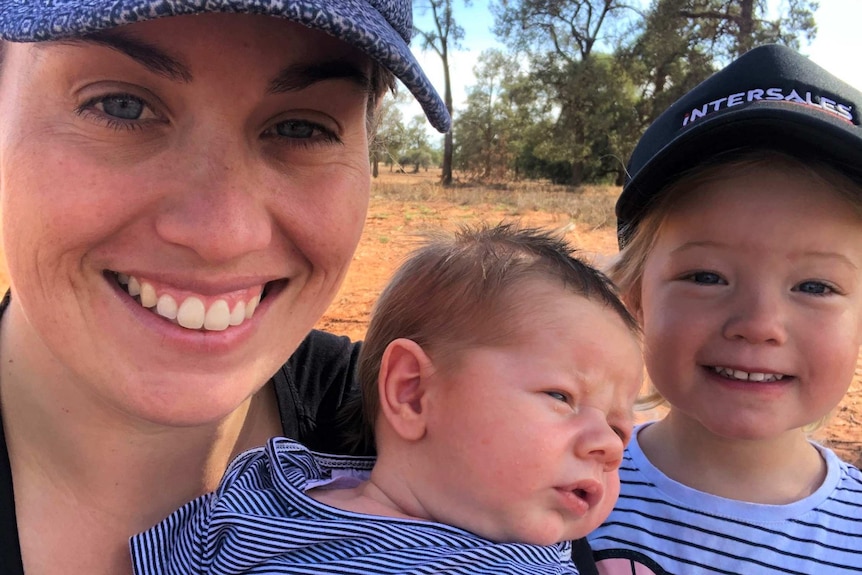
x,y
814,288
706,278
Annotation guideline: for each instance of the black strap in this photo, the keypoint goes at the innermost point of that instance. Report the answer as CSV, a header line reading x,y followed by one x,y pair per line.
x,y
10,547
582,555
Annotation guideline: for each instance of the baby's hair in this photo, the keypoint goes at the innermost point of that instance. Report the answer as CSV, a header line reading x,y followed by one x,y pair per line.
x,y
628,268
456,292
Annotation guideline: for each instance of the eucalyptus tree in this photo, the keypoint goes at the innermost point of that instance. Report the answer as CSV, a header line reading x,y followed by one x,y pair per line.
x,y
444,37
679,43
559,39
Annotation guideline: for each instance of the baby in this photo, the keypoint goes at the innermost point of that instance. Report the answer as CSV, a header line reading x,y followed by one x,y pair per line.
x,y
498,378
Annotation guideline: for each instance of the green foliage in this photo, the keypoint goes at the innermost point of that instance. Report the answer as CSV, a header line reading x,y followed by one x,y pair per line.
x,y
588,76
418,152
500,107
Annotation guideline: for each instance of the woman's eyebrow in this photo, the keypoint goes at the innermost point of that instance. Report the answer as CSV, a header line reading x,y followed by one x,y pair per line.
x,y
154,59
300,76
291,78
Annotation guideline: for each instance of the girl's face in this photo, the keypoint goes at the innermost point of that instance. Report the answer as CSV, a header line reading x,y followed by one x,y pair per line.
x,y
752,303
178,172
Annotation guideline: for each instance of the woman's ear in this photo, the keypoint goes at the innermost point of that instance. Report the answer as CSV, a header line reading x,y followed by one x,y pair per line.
x,y
401,385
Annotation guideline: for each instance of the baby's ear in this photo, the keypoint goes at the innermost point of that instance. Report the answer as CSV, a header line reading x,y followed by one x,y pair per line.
x,y
401,385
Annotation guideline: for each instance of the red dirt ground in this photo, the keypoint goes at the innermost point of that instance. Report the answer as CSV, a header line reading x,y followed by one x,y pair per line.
x,y
390,232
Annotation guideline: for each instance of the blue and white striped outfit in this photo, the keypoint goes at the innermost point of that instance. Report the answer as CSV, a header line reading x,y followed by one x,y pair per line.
x,y
259,520
664,527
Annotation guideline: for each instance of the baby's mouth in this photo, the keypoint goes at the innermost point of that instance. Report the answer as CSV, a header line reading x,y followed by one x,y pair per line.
x,y
740,375
195,312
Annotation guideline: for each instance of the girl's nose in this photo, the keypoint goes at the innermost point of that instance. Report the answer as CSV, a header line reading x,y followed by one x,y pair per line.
x,y
755,317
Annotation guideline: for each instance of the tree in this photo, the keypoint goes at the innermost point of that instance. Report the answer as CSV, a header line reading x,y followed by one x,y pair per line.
x,y
417,150
488,128
679,43
667,57
609,69
390,133
740,25
558,38
444,37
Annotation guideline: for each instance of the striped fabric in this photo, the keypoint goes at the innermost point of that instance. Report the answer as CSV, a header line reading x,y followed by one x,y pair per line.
x,y
661,526
259,520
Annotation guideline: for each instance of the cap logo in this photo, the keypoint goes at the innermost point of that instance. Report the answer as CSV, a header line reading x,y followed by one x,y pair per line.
x,y
802,97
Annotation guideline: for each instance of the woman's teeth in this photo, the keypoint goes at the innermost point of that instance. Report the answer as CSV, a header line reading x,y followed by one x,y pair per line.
x,y
191,312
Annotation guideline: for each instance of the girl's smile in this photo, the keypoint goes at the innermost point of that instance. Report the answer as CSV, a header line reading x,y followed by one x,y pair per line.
x,y
752,302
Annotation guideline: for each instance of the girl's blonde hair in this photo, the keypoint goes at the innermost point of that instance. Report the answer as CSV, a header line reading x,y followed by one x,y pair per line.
x,y
628,268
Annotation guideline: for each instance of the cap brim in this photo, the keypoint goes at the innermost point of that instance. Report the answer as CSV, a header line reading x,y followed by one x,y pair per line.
x,y
774,125
353,21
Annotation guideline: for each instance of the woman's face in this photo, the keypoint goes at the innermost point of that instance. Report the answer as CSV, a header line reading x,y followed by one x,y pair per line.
x,y
208,162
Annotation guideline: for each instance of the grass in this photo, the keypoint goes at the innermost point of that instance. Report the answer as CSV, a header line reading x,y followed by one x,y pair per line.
x,y
591,206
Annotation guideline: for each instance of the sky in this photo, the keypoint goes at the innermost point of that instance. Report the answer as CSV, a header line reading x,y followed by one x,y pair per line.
x,y
837,46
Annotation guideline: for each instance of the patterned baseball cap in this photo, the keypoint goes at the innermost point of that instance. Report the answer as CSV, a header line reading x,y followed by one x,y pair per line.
x,y
380,28
770,97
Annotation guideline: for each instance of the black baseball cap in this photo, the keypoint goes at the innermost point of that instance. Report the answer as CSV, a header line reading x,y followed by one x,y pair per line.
x,y
770,97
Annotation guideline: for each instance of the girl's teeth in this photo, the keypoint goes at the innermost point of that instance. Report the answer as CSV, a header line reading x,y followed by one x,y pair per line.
x,y
746,376
191,313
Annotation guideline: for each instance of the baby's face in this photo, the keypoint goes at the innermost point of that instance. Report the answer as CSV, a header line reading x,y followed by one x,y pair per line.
x,y
752,303
530,435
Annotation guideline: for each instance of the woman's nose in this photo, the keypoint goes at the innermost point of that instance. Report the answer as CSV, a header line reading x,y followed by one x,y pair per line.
x,y
218,208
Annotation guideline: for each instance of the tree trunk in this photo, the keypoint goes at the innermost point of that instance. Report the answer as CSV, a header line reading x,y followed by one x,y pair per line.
x,y
446,177
745,41
577,172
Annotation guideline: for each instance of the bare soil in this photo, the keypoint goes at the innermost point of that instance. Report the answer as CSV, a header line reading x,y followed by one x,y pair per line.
x,y
394,225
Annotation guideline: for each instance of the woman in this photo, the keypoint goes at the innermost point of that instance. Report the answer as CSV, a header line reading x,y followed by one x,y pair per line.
x,y
183,185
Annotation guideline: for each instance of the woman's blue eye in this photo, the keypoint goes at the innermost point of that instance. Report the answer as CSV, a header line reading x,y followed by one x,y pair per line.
x,y
814,288
558,396
123,107
296,129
